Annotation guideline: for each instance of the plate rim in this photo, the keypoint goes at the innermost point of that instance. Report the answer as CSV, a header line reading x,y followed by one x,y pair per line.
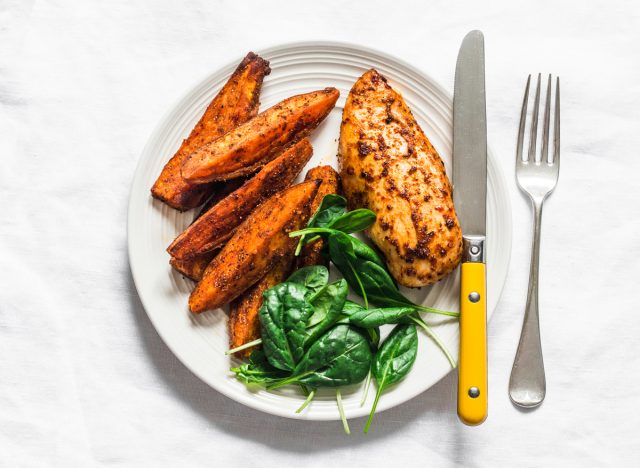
x,y
165,119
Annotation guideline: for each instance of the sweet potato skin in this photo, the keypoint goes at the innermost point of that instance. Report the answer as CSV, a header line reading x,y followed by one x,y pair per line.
x,y
253,144
236,103
259,242
329,183
215,226
193,268
244,324
227,187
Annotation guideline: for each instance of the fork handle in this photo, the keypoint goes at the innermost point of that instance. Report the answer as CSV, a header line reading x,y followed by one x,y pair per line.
x,y
527,385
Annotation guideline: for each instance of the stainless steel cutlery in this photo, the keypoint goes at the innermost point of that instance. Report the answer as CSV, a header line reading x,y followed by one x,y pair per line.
x,y
537,175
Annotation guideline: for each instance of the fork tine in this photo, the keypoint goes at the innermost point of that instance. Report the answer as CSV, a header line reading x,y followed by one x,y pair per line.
x,y
545,131
534,123
556,126
523,120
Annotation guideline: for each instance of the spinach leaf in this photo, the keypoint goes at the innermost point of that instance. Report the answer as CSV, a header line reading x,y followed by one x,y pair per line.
x,y
258,370
332,216
344,258
365,271
356,315
374,338
341,248
372,318
379,285
351,308
342,319
332,213
314,278
382,290
332,207
361,249
355,259
327,306
341,356
356,248
364,252
283,321
353,221
348,310
393,361
361,265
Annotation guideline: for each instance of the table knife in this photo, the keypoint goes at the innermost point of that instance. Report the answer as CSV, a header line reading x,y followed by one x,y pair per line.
x,y
470,190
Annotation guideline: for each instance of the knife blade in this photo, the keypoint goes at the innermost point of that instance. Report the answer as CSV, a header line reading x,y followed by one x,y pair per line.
x,y
469,194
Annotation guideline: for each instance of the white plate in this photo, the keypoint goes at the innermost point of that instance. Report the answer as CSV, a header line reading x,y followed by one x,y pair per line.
x,y
199,342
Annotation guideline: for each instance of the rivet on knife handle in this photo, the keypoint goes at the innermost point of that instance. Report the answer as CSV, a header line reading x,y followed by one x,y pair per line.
x,y
472,381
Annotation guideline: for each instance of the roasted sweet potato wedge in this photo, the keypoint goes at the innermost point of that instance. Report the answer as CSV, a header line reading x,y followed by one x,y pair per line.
x,y
257,244
236,103
214,227
244,325
220,194
329,183
193,268
253,144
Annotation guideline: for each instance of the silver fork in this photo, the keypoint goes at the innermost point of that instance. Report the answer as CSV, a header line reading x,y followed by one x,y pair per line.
x,y
537,176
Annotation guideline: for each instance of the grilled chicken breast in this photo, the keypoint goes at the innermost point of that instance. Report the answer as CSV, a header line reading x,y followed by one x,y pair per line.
x,y
388,165
329,183
236,103
259,242
250,146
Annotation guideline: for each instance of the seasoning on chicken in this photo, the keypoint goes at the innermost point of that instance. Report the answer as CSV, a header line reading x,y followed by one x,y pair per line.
x,y
388,165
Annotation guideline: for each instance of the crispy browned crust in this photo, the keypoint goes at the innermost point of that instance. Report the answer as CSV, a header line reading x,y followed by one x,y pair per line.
x,y
213,228
256,245
236,103
193,268
329,183
388,165
220,194
244,325
256,142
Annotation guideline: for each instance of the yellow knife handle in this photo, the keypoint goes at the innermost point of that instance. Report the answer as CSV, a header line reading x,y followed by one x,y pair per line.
x,y
472,380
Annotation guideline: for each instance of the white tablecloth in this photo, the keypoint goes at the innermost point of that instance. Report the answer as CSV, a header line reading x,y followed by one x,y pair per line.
x,y
85,379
